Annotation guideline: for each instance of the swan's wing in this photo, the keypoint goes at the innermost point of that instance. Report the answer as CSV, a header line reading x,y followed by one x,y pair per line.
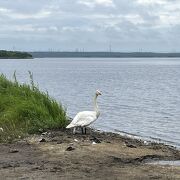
x,y
83,119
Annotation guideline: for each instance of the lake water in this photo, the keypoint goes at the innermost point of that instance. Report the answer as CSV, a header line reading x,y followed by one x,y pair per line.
x,y
140,96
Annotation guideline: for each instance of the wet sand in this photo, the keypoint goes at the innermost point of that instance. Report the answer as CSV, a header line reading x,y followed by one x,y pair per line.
x,y
98,155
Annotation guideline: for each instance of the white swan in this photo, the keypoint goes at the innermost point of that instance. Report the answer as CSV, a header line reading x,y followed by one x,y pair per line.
x,y
85,118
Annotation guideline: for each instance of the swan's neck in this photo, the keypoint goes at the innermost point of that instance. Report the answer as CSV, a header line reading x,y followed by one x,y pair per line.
x,y
96,109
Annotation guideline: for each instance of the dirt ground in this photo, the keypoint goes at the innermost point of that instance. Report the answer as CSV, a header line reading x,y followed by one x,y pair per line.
x,y
97,155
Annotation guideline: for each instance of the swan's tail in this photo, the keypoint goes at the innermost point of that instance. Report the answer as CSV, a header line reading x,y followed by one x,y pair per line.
x,y
70,126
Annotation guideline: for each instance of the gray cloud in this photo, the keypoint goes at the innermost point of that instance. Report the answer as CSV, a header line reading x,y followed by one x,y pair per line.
x,y
128,25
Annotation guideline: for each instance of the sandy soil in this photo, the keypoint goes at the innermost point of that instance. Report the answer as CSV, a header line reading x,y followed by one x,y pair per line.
x,y
61,155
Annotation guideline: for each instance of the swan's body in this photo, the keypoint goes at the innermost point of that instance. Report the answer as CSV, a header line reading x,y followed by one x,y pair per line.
x,y
85,118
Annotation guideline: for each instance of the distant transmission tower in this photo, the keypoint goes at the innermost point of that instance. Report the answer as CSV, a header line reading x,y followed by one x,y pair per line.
x,y
110,48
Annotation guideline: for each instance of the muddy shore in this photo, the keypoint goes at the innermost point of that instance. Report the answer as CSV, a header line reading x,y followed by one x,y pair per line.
x,y
97,155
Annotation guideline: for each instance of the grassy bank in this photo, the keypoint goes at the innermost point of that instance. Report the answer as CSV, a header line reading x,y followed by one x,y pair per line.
x,y
24,109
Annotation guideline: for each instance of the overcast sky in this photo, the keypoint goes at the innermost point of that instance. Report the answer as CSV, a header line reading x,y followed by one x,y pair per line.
x,y
92,25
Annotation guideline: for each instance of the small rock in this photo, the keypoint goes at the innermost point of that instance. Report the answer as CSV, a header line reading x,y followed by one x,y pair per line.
x,y
131,146
59,142
75,140
96,140
56,169
44,133
7,166
13,151
93,143
128,144
70,148
24,178
42,140
53,170
146,143
54,140
37,168
1,129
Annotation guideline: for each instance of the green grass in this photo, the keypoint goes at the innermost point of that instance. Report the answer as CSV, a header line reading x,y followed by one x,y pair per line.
x,y
24,109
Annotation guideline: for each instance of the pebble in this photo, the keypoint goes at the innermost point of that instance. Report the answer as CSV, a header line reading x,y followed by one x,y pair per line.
x,y
70,148
128,144
13,151
146,143
96,140
131,146
44,133
42,140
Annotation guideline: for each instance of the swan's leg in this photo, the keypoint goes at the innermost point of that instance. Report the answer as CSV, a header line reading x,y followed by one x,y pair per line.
x,y
74,130
85,130
82,130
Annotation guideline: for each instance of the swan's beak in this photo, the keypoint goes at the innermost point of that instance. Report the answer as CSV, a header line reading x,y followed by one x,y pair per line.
x,y
98,92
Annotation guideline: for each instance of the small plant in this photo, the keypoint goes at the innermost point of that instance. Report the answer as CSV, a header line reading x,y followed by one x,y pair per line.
x,y
14,76
24,109
31,80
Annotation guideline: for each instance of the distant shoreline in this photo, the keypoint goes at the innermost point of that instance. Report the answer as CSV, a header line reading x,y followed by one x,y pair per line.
x,y
14,55
67,54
